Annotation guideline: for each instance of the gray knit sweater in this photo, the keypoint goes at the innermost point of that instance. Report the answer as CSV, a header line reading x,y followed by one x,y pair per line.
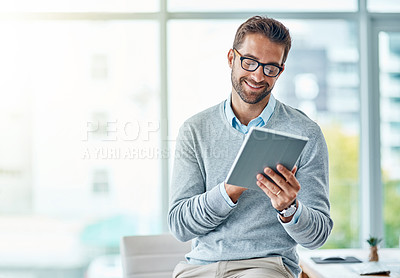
x,y
205,150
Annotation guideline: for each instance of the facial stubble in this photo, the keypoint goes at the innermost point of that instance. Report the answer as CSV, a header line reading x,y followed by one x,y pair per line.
x,y
238,87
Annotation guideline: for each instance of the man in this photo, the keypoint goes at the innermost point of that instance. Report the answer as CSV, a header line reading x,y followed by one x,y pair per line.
x,y
238,232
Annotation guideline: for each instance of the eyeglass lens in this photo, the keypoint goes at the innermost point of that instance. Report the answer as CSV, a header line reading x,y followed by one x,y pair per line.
x,y
252,65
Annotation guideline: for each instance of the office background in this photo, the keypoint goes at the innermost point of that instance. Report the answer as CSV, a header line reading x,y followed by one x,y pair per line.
x,y
92,94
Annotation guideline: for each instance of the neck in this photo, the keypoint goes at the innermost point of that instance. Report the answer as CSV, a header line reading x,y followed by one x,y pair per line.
x,y
246,112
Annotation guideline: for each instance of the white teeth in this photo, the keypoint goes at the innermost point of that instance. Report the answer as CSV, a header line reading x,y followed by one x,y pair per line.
x,y
255,87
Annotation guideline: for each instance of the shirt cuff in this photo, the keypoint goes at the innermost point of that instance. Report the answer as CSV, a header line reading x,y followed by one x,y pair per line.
x,y
225,195
296,216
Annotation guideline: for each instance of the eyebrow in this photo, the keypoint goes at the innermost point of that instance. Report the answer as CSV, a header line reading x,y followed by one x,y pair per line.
x,y
250,56
255,58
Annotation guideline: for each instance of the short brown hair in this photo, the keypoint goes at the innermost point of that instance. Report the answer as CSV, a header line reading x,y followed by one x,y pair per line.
x,y
274,30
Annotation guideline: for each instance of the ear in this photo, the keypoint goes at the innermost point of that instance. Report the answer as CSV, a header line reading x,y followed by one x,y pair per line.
x,y
231,57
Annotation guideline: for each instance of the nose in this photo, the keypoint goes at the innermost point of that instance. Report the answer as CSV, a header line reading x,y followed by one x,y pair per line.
x,y
258,74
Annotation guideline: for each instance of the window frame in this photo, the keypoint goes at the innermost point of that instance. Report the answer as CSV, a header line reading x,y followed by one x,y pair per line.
x,y
373,190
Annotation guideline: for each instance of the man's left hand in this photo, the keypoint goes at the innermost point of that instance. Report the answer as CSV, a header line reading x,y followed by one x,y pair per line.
x,y
283,190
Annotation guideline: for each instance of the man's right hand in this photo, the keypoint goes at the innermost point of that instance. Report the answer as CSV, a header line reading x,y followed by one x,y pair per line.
x,y
234,191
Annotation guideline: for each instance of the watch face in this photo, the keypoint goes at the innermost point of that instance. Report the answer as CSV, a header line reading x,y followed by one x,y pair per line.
x,y
289,211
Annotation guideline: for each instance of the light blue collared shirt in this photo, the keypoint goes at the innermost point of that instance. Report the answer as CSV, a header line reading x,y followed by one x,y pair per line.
x,y
260,121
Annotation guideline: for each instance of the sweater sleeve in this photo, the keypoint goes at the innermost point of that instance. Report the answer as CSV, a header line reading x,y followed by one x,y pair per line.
x,y
193,211
314,224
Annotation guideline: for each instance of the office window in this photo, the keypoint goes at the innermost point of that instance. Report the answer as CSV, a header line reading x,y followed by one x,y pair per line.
x,y
15,120
389,66
261,6
79,6
101,182
79,151
388,6
321,78
99,66
199,75
98,126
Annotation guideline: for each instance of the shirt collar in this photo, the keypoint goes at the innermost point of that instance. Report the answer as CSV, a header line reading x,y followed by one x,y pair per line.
x,y
265,114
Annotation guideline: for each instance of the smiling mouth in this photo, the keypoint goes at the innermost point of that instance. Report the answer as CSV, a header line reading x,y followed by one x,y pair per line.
x,y
253,86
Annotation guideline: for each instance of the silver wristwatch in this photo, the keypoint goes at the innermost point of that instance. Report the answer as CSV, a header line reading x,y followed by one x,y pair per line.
x,y
287,212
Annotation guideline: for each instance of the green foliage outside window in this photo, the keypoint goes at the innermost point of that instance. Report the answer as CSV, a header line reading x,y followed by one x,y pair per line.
x,y
344,186
391,212
344,193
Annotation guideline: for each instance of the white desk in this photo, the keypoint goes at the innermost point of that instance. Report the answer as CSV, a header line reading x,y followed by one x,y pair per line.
x,y
390,257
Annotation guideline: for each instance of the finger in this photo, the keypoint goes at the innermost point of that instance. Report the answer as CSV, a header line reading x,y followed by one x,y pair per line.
x,y
277,179
289,176
278,201
272,188
274,196
266,190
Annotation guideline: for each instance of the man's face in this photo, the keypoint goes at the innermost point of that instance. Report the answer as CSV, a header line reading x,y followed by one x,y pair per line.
x,y
253,87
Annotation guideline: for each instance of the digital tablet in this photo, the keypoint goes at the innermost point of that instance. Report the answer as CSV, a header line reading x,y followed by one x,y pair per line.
x,y
264,147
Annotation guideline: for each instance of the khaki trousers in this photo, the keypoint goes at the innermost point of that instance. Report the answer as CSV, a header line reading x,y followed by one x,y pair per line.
x,y
271,267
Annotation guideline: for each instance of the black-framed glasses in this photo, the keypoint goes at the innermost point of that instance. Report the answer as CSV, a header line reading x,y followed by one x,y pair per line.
x,y
250,64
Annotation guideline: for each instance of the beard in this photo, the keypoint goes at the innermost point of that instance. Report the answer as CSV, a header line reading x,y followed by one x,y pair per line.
x,y
249,97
